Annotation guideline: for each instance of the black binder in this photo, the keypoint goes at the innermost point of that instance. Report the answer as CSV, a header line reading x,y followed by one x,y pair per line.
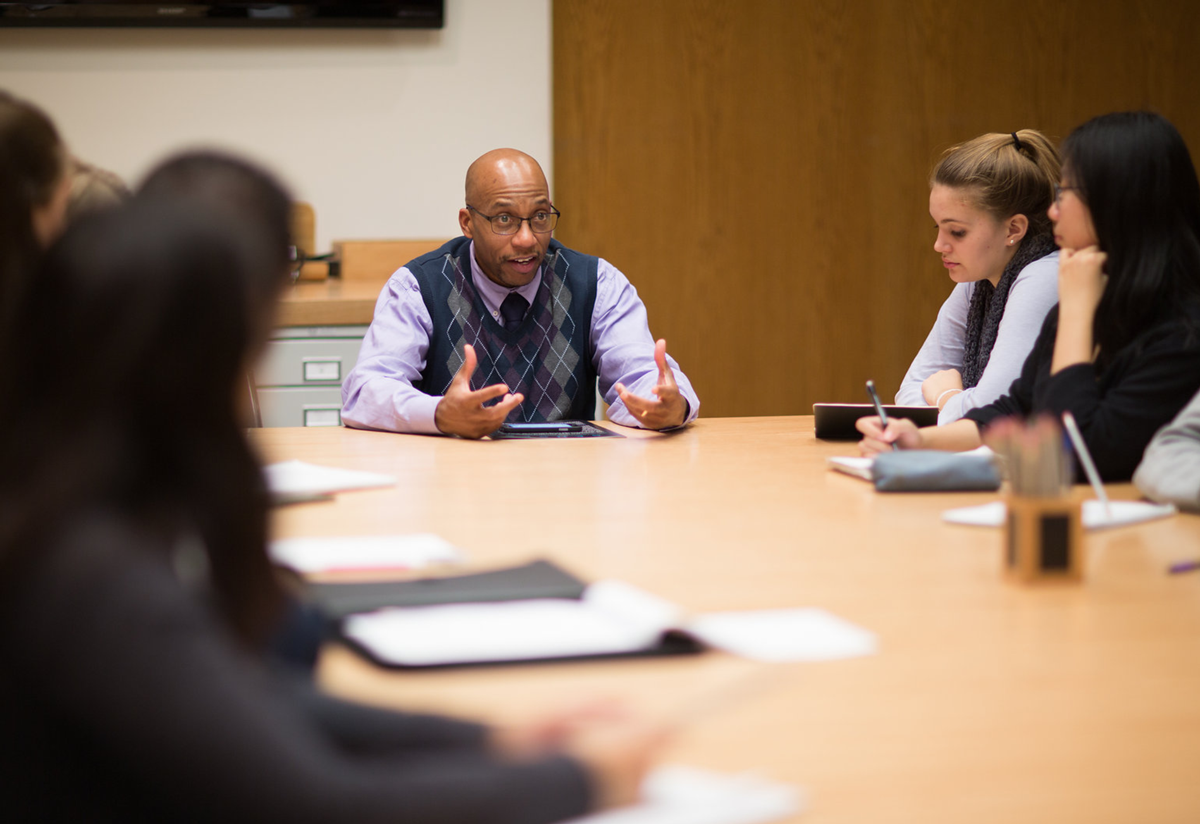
x,y
535,580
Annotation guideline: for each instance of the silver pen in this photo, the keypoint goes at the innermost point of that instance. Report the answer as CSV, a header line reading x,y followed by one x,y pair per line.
x,y
883,418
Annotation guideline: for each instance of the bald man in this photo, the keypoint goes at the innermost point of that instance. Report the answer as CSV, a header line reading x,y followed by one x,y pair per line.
x,y
507,324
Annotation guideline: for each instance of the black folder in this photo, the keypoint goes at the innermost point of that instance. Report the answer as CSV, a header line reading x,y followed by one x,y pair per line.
x,y
535,580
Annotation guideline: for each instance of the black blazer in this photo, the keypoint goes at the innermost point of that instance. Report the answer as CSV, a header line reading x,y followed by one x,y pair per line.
x,y
1118,409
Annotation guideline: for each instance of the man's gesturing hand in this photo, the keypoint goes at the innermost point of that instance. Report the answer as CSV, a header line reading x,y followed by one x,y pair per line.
x,y
670,408
461,411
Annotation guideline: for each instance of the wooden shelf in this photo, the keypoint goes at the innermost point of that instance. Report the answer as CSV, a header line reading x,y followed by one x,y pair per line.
x,y
331,302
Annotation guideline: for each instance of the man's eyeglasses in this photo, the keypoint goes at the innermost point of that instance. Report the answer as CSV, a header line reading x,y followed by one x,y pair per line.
x,y
1058,192
540,223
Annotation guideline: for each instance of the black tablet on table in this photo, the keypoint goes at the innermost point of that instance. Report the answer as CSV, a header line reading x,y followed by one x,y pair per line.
x,y
835,421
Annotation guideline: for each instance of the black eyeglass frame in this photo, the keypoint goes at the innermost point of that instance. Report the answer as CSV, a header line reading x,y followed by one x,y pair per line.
x,y
491,219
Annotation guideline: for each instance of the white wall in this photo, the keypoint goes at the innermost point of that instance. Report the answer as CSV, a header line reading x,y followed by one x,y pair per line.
x,y
375,128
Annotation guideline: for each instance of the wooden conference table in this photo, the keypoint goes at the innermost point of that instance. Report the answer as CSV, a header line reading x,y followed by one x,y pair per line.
x,y
988,702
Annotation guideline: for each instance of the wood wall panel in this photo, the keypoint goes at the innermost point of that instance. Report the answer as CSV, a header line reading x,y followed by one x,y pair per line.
x,y
758,168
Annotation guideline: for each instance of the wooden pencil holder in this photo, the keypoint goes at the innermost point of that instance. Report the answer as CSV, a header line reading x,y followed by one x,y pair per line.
x,y
1043,540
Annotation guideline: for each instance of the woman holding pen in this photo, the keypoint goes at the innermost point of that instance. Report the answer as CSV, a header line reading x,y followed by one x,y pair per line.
x,y
1121,351
988,199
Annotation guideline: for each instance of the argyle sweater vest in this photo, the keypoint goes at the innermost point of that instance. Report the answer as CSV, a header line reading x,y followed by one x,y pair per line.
x,y
547,358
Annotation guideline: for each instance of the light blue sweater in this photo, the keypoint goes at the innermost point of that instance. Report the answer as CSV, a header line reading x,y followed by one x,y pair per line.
x,y
1031,296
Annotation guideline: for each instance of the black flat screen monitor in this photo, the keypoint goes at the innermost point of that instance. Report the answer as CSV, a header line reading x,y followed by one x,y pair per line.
x,y
411,14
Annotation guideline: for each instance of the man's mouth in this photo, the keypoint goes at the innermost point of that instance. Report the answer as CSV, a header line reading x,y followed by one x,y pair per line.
x,y
526,264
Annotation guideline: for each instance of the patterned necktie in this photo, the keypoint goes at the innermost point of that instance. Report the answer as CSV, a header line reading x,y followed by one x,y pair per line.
x,y
512,310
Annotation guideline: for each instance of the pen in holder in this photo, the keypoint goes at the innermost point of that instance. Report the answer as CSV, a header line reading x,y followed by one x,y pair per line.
x,y
1043,538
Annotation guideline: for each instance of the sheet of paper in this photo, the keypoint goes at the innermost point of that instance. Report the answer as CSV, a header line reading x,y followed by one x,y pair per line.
x,y
858,467
784,635
363,552
1094,515
300,478
612,617
674,794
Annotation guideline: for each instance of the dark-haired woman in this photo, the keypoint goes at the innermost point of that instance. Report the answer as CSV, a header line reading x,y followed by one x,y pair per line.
x,y
34,189
1121,351
988,199
135,591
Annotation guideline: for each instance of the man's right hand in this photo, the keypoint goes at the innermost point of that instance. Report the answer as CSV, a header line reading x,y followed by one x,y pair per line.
x,y
461,411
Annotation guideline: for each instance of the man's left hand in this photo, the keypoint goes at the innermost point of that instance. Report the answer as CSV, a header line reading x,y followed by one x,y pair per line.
x,y
668,408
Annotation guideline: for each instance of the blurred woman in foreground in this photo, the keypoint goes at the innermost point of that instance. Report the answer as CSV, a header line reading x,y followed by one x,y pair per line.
x,y
135,590
34,189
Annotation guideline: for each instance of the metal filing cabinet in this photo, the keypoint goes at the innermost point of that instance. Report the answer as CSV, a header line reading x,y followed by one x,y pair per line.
x,y
299,378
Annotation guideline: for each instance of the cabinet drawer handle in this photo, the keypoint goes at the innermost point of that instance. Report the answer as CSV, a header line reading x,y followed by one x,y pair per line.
x,y
323,370
323,416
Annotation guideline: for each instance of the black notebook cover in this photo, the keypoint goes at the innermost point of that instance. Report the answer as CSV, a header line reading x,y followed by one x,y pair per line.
x,y
672,642
537,579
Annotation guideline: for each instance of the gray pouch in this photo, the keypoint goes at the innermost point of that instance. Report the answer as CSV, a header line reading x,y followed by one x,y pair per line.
x,y
926,470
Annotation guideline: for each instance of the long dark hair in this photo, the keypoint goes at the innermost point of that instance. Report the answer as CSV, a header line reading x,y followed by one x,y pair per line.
x,y
1135,174
131,345
32,162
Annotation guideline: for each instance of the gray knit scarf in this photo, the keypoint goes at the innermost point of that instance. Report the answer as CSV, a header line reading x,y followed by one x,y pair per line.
x,y
987,307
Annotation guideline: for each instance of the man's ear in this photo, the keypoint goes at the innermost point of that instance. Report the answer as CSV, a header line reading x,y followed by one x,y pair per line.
x,y
464,223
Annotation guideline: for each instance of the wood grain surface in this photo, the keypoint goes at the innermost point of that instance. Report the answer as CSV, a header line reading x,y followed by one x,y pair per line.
x,y
758,168
988,702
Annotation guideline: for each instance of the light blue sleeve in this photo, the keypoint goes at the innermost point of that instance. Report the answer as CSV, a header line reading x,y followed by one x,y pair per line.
x,y
943,349
379,393
623,348
1170,470
1032,295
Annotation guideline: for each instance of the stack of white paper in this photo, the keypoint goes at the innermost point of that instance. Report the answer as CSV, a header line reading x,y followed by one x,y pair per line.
x,y
363,553
611,618
685,795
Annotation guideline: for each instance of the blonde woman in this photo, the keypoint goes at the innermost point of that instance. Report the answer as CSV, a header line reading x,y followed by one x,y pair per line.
x,y
988,199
